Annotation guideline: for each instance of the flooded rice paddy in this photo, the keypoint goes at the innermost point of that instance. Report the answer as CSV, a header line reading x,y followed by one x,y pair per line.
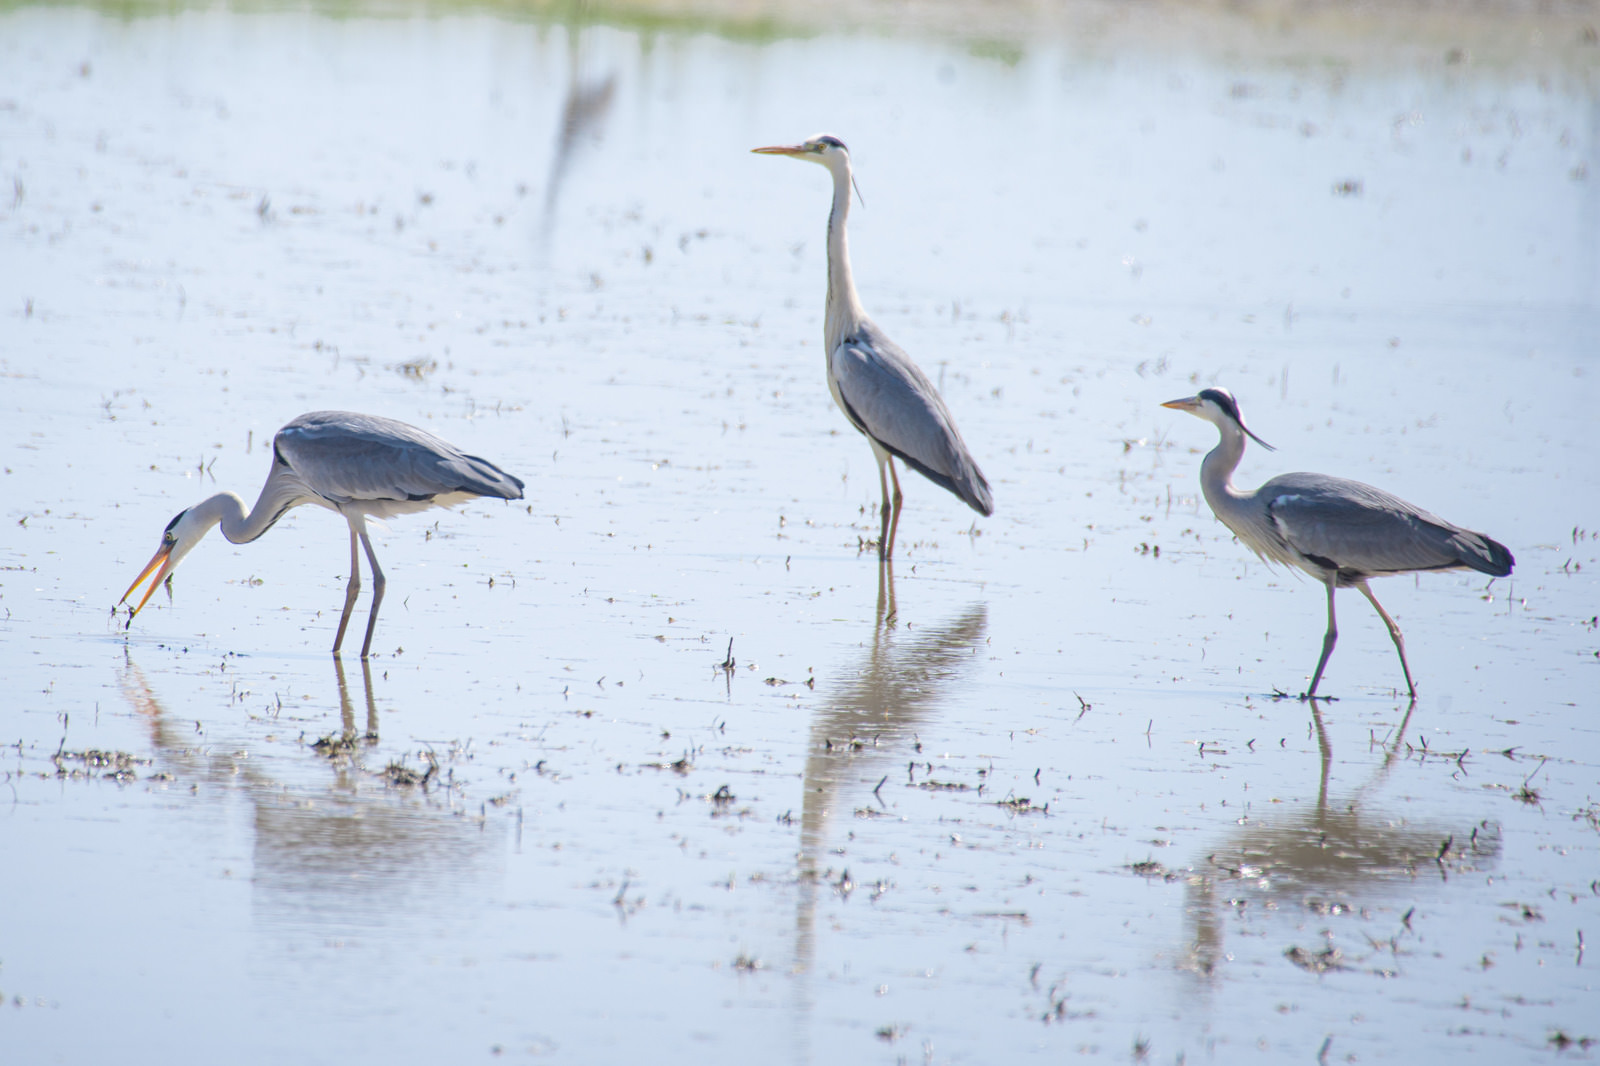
x,y
659,763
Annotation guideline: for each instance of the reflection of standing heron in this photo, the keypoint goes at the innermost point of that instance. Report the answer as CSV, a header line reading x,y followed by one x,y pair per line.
x,y
880,390
871,718
583,112
1340,532
361,466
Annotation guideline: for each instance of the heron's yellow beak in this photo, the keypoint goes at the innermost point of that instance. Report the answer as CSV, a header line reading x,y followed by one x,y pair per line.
x,y
780,149
1188,403
161,564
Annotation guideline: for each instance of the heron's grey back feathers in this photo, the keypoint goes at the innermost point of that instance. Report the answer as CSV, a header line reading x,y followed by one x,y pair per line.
x,y
1363,531
347,457
889,398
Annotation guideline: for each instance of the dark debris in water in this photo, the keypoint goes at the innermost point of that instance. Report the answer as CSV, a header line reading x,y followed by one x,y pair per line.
x,y
335,746
680,766
1152,869
1561,1041
398,775
117,765
1329,908
1329,958
1525,912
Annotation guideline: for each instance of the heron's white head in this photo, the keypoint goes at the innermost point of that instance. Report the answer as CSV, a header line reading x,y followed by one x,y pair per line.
x,y
185,530
1217,406
825,150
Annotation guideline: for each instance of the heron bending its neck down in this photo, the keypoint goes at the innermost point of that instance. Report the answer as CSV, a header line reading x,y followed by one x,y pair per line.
x,y
880,390
1340,532
361,466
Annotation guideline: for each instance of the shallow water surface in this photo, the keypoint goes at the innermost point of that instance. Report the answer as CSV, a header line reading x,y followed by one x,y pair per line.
x,y
659,762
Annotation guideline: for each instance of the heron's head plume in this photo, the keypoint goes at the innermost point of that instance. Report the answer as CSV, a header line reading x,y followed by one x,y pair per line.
x,y
1217,406
187,528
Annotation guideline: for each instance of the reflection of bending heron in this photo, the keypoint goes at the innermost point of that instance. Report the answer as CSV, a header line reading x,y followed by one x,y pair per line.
x,y
342,854
1324,855
870,719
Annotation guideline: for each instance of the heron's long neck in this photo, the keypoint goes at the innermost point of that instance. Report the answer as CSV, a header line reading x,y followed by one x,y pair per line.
x,y
277,496
844,313
1216,477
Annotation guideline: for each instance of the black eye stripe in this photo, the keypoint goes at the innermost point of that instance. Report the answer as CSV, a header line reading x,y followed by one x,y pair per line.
x,y
1223,399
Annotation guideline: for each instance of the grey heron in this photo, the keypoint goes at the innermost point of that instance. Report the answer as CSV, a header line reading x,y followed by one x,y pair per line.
x,y
1341,532
361,466
880,390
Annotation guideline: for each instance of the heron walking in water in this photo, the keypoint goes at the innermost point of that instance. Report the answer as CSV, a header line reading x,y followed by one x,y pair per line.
x,y
877,386
1340,532
361,466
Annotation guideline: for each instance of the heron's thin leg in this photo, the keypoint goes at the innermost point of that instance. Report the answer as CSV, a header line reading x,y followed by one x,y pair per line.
x,y
1394,634
884,547
350,591
377,593
894,521
1327,641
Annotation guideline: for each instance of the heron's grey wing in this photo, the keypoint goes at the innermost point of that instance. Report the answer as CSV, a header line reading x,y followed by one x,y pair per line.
x,y
346,456
891,400
1361,529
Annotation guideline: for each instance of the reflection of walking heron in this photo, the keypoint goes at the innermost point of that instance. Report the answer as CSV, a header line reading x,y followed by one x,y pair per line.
x,y
361,466
1340,532
1333,855
874,382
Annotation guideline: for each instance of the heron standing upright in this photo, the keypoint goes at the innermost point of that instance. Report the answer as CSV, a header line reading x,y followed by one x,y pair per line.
x,y
361,466
1341,532
877,386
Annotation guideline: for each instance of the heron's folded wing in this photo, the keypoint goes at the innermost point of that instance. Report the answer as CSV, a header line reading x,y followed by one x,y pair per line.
x,y
1356,527
348,456
888,397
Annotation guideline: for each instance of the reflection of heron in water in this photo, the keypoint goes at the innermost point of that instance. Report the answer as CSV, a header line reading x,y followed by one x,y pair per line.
x,y
353,852
1325,856
583,112
347,715
870,720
